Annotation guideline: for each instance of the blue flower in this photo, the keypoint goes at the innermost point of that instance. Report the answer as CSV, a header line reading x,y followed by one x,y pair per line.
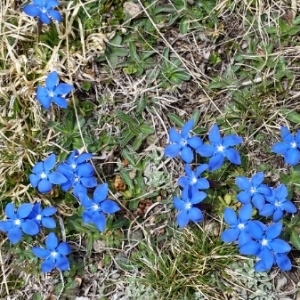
x,y
53,92
42,178
238,230
182,143
79,173
253,190
266,246
193,179
54,255
44,10
187,212
220,148
43,216
278,204
289,148
17,223
96,207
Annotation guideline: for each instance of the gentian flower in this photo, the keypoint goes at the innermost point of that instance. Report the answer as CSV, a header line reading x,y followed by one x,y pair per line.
x,y
79,173
18,222
266,245
253,190
43,216
182,143
54,255
289,148
53,92
97,206
185,205
220,148
41,176
44,10
238,230
278,204
193,179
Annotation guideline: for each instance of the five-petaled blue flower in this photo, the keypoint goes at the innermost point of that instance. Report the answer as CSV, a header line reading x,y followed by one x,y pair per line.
x,y
253,189
44,10
267,247
289,148
54,255
185,205
43,216
182,143
220,148
277,204
79,173
18,222
193,179
42,177
238,230
97,206
53,92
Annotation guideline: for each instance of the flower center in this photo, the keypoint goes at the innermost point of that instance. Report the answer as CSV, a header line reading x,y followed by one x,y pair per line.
x,y
241,226
51,94
43,175
220,148
253,190
277,204
53,254
293,144
194,180
76,178
183,142
17,222
39,217
95,207
73,166
264,242
188,205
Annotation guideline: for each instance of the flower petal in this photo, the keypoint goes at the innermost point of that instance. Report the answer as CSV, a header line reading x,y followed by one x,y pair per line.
x,y
267,257
230,235
62,263
197,197
206,150
283,262
178,203
31,10
5,226
200,169
60,101
85,170
195,214
278,215
49,211
83,157
174,136
289,207
14,234
49,162
280,147
274,230
10,211
34,180
51,241
244,238
265,190
233,156
267,210
244,197
194,142
182,218
255,230
63,89
214,135
38,168
187,127
54,14
48,265
48,222
100,192
30,227
250,248
281,192
57,178
172,150
230,217
24,210
286,134
52,79
292,156
202,184
231,140
40,252
245,212
63,248
216,162
44,186
89,182
258,201
243,182
257,179
280,246
187,154
99,220
109,206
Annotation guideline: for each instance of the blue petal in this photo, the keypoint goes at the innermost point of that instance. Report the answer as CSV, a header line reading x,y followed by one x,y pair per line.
x,y
278,215
267,257
187,154
62,263
89,182
267,210
182,218
172,150
274,230
39,3
14,234
243,182
245,212
30,227
280,246
289,207
195,214
48,222
79,188
250,248
31,10
51,241
52,80
233,156
216,162
258,201
292,156
257,179
255,230
231,140
34,180
198,197
265,190
48,265
206,150
49,163
283,262
60,101
109,206
84,200
281,192
10,211
99,220
188,171
85,170
63,248
200,169
44,186
260,267
57,178
174,136
244,238
87,217
202,184
40,252
43,97
44,18
63,88
24,210
184,181
178,203
280,147
49,211
100,192
285,134
230,217
5,226
55,15
244,197
230,235
194,142
187,127
214,135
38,168
83,157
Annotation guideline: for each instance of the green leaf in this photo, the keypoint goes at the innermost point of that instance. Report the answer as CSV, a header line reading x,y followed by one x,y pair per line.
x,y
146,129
295,239
175,119
129,156
184,25
132,52
196,116
125,176
137,142
292,116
